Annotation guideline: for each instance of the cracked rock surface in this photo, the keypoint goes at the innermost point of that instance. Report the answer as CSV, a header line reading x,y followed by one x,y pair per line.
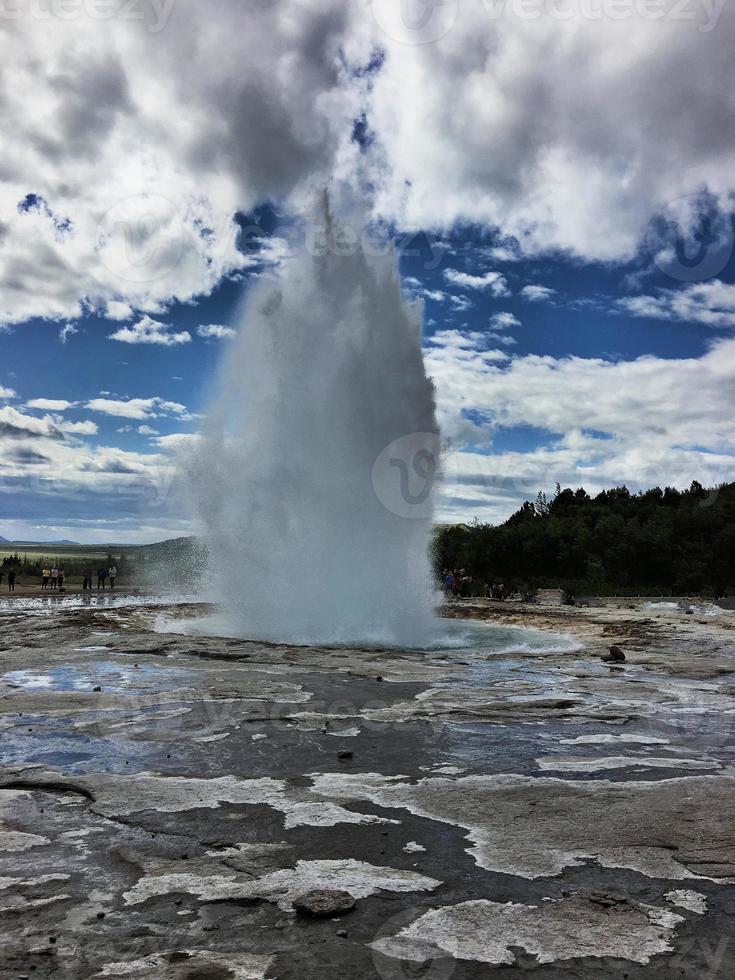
x,y
508,806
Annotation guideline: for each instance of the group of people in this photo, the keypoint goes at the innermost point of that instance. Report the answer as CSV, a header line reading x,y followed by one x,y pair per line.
x,y
457,583
52,579
104,575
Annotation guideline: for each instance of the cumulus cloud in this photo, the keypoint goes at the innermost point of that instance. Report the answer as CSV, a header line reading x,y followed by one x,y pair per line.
x,y
492,122
50,404
7,393
500,324
149,331
68,330
215,331
711,303
645,422
537,294
139,408
117,202
504,321
127,171
14,423
496,283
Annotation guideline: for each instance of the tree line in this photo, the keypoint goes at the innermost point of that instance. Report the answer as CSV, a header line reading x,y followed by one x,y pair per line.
x,y
657,542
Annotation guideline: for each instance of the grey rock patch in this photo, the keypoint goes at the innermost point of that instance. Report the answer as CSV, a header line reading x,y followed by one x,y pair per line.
x,y
485,932
180,964
689,900
114,795
604,739
14,840
556,763
357,878
537,826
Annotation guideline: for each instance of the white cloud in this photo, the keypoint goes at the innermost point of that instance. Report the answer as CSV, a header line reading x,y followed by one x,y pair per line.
x,y
646,422
215,331
504,321
147,430
50,404
137,164
86,428
138,408
68,330
149,331
460,304
118,311
7,393
493,281
537,294
128,170
17,424
711,303
177,441
491,122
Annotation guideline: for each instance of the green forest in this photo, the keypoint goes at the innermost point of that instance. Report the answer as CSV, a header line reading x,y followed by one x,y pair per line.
x,y
659,542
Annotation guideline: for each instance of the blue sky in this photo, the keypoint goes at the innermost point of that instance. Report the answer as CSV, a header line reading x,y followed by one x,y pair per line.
x,y
572,242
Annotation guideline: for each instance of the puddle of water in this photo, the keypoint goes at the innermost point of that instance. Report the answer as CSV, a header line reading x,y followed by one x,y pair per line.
x,y
460,635
110,676
47,605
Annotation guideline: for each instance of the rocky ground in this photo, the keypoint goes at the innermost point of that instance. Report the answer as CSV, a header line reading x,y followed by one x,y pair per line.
x,y
169,804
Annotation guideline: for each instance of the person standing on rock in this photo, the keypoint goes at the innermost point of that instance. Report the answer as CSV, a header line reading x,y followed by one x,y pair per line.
x,y
45,578
87,580
11,580
101,576
54,578
112,574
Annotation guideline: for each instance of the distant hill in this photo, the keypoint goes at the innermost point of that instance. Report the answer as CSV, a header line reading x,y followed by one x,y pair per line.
x,y
29,544
660,542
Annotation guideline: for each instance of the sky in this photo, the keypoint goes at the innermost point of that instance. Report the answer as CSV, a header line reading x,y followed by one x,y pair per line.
x,y
556,176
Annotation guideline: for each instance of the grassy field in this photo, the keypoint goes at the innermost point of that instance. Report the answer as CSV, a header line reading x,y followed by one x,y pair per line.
x,y
60,552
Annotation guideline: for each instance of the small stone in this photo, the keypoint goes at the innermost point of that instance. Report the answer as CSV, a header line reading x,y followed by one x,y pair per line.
x,y
97,689
342,933
379,677
100,915
324,902
345,755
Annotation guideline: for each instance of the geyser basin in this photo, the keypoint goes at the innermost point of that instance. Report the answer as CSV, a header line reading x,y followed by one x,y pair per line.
x,y
448,634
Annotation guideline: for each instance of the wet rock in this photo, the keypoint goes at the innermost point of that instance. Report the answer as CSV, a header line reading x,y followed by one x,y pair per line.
x,y
345,755
324,902
615,656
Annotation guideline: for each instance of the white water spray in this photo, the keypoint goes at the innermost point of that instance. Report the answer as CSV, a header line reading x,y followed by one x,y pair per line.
x,y
315,480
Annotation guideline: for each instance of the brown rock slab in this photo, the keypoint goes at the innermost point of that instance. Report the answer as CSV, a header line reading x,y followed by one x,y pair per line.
x,y
324,902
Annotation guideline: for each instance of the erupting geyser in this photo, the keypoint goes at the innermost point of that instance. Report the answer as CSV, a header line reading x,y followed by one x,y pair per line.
x,y
315,479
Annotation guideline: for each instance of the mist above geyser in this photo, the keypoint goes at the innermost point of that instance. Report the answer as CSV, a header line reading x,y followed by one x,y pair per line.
x,y
315,478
